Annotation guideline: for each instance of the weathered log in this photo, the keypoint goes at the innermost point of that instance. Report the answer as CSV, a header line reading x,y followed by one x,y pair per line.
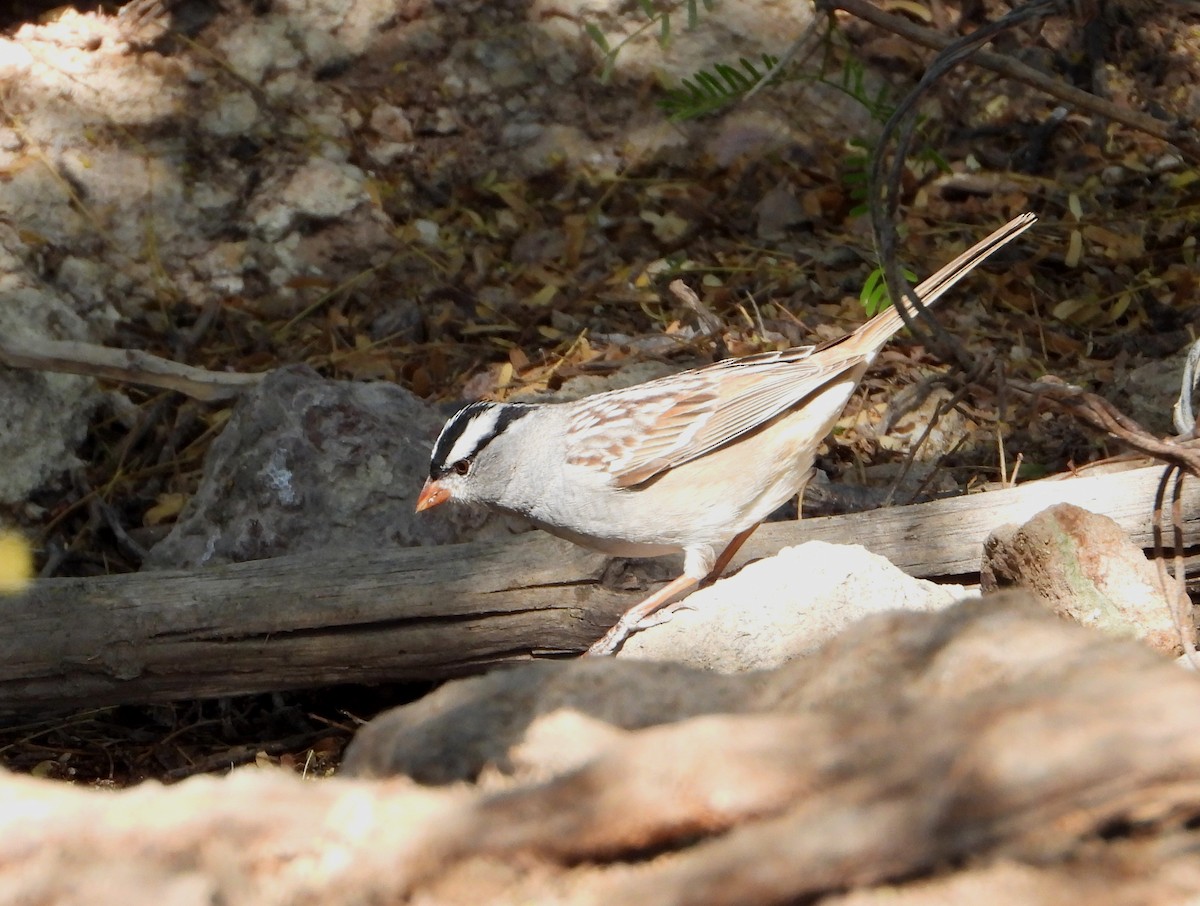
x,y
299,621
430,613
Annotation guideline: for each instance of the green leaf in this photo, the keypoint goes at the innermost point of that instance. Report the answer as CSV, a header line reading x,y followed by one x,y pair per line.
x,y
875,296
869,297
594,32
734,78
712,85
930,153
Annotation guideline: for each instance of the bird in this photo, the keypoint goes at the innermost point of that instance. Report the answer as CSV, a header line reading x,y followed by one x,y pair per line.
x,y
690,462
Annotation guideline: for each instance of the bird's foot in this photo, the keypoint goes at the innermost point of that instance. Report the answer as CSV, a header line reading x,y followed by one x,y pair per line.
x,y
631,620
612,640
632,623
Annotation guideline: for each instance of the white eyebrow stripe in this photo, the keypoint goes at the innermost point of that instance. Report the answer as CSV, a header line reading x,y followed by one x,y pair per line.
x,y
478,429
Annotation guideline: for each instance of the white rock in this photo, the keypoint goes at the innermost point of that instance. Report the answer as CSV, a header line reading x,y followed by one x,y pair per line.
x,y
325,189
320,189
258,47
785,607
235,114
392,123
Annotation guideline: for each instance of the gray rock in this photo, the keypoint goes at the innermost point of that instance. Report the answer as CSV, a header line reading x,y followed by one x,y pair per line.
x,y
989,753
320,190
1149,391
44,420
778,212
43,416
540,720
307,463
553,716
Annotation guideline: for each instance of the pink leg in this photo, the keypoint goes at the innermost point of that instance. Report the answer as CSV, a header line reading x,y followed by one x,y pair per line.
x,y
633,618
628,623
729,553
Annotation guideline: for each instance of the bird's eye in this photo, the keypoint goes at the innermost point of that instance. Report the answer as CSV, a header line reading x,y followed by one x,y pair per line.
x,y
462,467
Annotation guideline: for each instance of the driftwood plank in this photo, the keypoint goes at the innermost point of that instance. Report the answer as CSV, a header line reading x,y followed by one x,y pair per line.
x,y
300,621
945,537
427,613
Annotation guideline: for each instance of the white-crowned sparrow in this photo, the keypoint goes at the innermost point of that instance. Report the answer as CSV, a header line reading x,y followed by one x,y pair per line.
x,y
693,461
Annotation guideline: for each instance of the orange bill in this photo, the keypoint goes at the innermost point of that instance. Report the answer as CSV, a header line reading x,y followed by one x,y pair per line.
x,y
431,495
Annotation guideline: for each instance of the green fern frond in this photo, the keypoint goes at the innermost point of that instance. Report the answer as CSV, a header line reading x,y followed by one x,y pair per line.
x,y
710,90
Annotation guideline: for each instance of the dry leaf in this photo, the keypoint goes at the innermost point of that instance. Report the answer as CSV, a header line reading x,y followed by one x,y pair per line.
x,y
1122,247
468,330
667,228
542,297
1184,179
1075,206
916,10
575,228
165,510
1069,310
518,359
1074,249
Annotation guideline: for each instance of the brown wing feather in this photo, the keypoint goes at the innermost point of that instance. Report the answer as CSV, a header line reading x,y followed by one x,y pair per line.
x,y
623,431
750,398
695,413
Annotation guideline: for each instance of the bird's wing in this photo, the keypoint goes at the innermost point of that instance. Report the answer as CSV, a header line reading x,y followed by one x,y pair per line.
x,y
635,433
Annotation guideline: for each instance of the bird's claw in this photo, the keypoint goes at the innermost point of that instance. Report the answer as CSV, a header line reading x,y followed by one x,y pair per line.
x,y
664,616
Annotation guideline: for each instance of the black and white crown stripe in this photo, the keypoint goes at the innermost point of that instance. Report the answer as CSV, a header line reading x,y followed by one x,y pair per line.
x,y
470,430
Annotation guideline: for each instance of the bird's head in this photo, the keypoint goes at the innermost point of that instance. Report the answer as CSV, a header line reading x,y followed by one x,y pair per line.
x,y
468,464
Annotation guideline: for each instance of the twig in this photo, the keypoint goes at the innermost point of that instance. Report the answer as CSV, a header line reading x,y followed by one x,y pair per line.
x,y
1181,603
247,752
1182,414
127,365
710,324
1100,413
105,514
786,60
1174,588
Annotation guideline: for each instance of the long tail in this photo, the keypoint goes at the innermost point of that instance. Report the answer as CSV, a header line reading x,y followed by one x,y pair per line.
x,y
875,332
